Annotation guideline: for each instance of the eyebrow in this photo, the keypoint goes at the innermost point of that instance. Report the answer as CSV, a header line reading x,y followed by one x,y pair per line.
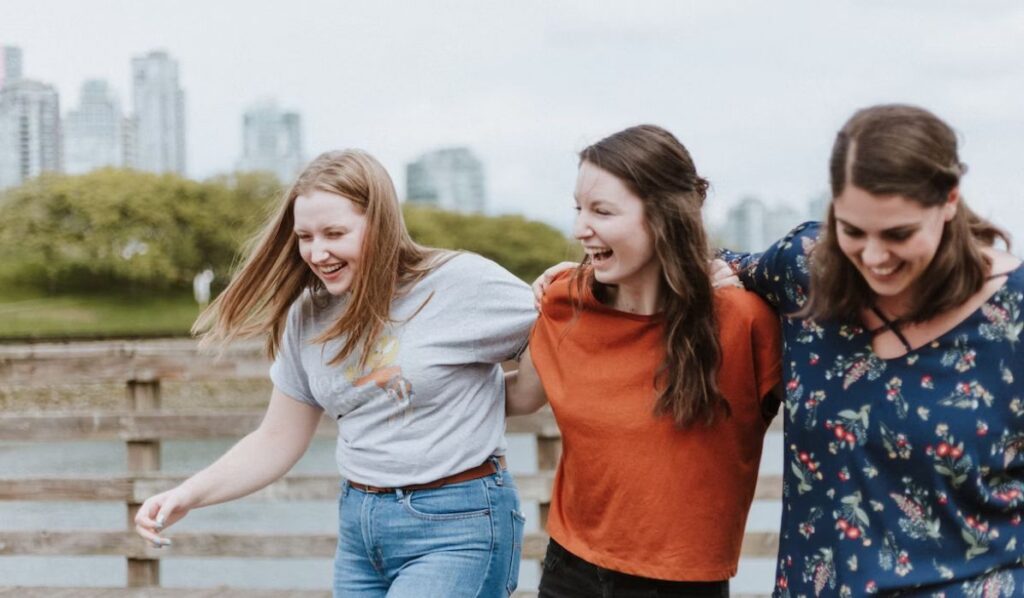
x,y
895,229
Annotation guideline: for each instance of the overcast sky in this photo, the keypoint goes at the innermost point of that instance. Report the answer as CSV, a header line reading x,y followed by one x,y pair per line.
x,y
756,90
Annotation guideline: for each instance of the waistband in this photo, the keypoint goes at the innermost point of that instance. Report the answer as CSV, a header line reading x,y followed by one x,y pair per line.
x,y
491,466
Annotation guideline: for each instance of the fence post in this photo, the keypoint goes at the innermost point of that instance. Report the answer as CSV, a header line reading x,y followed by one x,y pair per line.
x,y
143,457
548,451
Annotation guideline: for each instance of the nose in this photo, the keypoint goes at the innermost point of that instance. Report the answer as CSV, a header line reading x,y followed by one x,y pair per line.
x,y
318,251
580,228
875,252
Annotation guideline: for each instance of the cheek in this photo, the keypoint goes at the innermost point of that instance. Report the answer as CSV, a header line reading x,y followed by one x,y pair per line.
x,y
849,247
925,249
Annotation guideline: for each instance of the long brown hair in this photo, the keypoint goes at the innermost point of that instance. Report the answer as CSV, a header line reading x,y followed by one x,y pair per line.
x,y
273,275
902,150
660,171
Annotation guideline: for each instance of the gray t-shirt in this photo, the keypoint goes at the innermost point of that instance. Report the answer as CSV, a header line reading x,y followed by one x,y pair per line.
x,y
431,400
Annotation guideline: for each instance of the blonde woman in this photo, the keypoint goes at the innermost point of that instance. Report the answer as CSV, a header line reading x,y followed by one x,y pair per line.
x,y
401,345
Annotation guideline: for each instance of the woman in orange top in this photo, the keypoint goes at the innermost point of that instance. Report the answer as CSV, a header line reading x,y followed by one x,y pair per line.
x,y
662,387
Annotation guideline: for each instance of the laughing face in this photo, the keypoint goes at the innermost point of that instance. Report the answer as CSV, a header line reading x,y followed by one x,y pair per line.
x,y
330,230
890,239
611,226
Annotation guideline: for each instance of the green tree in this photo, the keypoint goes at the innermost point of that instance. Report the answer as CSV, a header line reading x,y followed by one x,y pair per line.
x,y
525,247
126,228
122,229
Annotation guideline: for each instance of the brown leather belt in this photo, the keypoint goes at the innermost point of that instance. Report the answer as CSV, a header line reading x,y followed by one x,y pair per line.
x,y
484,469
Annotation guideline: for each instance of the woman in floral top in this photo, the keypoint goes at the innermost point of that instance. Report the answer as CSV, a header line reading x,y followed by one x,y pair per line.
x,y
904,418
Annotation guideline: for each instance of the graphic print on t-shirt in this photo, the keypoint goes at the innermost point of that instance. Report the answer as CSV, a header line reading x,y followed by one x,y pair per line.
x,y
382,371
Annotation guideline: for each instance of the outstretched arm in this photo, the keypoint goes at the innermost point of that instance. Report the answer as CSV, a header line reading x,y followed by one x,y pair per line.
x,y
255,461
524,392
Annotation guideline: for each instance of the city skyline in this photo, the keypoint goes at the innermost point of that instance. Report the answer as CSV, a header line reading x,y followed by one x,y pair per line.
x,y
755,92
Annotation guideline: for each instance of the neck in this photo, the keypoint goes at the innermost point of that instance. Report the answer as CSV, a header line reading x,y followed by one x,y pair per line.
x,y
643,300
893,307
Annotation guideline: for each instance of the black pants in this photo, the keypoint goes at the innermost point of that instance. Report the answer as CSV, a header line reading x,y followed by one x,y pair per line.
x,y
566,575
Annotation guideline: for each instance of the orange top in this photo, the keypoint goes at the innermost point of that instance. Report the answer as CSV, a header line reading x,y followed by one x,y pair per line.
x,y
634,493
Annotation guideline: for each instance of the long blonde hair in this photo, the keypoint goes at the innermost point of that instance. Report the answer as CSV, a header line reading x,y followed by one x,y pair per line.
x,y
273,276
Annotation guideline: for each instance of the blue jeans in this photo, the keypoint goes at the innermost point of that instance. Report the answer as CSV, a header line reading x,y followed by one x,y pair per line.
x,y
458,540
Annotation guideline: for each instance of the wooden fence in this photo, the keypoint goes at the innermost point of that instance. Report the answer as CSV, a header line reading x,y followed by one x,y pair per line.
x,y
141,423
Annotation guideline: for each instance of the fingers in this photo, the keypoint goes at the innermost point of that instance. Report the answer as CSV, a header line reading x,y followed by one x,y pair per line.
x,y
149,526
540,286
722,275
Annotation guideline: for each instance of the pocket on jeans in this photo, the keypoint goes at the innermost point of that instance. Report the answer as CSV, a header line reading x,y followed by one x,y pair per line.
x,y
518,523
457,501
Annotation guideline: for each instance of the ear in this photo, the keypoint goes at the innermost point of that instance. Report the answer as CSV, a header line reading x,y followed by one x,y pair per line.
x,y
951,205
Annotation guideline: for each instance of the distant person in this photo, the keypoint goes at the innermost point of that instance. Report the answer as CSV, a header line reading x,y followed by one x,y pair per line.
x,y
201,287
663,388
400,345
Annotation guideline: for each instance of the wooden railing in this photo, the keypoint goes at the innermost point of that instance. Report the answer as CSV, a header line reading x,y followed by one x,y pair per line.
x,y
142,423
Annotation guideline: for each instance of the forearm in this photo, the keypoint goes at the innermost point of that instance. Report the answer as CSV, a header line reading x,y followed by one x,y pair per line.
x,y
259,458
524,392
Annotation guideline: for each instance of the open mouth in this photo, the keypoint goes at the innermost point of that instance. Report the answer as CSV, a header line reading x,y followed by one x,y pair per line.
x,y
598,257
886,272
330,271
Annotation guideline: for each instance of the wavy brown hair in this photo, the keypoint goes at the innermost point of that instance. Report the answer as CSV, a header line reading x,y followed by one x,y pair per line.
x,y
273,274
890,150
659,170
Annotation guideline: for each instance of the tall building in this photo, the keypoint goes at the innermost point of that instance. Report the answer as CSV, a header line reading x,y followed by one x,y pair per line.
x,y
744,230
30,133
752,226
450,179
93,135
817,208
779,222
272,141
10,64
159,104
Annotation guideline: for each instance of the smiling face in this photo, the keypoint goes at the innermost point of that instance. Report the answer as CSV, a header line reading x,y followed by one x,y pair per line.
x,y
330,231
890,239
611,226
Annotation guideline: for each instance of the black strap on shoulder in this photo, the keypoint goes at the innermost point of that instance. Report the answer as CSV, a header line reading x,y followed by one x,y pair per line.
x,y
893,325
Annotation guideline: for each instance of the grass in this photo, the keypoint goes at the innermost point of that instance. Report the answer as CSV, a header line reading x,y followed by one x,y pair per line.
x,y
28,314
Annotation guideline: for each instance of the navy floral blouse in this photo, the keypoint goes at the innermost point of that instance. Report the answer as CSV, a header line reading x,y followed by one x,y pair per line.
x,y
900,475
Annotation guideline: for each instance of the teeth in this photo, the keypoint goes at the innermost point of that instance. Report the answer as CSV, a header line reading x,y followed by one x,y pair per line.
x,y
331,269
884,271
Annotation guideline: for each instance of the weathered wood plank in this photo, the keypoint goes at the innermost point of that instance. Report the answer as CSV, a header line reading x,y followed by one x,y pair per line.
x,y
136,489
58,426
216,592
207,544
75,363
533,486
53,426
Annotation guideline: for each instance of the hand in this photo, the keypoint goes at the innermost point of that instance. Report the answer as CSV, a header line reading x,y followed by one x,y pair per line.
x,y
159,512
722,275
540,286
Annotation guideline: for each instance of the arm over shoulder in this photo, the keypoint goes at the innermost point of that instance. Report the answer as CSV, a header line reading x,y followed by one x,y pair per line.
x,y
780,274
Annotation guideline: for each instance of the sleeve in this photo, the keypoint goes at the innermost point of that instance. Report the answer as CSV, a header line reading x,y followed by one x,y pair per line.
x,y
780,274
495,310
287,372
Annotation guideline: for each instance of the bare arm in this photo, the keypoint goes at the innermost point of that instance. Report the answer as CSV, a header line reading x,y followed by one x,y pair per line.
x,y
258,459
524,393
